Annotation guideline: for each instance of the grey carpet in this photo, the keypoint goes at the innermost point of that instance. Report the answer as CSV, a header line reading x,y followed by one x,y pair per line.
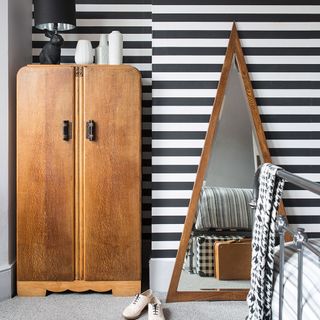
x,y
94,306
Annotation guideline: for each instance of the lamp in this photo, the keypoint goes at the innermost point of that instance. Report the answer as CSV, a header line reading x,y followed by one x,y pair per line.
x,y
53,16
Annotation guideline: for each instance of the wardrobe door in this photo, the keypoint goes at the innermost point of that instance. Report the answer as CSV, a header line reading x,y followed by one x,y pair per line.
x,y
112,173
45,173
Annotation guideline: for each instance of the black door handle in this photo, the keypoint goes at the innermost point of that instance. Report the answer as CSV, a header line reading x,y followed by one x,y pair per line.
x,y
91,130
66,130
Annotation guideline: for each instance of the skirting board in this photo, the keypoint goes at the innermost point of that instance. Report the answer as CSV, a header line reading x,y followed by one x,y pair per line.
x,y
7,281
40,288
160,273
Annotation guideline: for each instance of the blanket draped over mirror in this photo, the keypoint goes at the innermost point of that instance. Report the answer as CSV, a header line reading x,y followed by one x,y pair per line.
x,y
260,294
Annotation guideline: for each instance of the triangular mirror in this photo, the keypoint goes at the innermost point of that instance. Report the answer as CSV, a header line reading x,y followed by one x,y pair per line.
x,y
213,260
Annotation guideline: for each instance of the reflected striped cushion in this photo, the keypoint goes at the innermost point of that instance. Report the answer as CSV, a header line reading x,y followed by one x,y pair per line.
x,y
220,207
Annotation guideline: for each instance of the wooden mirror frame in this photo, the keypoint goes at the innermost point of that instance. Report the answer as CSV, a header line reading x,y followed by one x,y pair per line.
x,y
233,49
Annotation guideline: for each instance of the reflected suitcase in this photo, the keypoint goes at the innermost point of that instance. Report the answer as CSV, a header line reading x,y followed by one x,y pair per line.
x,y
205,253
232,259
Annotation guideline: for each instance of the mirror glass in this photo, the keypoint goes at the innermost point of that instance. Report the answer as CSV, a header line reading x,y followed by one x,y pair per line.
x,y
219,251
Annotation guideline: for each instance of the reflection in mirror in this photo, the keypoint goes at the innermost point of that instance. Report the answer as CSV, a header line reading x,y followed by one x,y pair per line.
x,y
218,256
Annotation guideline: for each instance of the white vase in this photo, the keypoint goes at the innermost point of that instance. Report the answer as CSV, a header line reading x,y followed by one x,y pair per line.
x,y
84,52
102,50
115,47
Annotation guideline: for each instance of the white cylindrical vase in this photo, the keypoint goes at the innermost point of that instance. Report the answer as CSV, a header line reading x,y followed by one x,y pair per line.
x,y
115,47
84,52
102,50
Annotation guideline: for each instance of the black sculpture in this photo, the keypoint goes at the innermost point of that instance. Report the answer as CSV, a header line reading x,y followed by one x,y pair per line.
x,y
51,52
54,16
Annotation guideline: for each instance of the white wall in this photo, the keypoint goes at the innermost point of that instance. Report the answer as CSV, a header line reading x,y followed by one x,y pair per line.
x,y
15,51
3,131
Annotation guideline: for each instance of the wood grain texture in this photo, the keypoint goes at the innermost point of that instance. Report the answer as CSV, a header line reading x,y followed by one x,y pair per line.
x,y
218,295
112,174
233,50
45,174
40,288
79,182
79,202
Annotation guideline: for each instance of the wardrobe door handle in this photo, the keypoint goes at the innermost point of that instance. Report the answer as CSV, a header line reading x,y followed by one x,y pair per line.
x,y
66,130
91,130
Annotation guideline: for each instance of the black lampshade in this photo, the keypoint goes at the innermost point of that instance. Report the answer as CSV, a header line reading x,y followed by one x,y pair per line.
x,y
55,14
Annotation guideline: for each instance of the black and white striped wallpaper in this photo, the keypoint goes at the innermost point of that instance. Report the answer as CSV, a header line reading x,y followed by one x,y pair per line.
x,y
179,47
282,49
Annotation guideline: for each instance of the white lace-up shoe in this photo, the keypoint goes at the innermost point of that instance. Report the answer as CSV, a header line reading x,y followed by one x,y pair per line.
x,y
134,309
155,311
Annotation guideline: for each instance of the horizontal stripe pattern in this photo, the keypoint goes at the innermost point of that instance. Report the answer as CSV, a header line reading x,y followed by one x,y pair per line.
x,y
281,44
179,47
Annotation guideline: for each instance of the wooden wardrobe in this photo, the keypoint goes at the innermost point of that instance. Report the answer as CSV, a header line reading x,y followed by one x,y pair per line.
x,y
78,179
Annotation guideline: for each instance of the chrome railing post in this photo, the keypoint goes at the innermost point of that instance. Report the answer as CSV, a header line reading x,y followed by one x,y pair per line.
x,y
281,225
299,239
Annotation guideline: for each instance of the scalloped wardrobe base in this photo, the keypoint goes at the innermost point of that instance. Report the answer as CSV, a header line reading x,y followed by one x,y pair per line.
x,y
40,288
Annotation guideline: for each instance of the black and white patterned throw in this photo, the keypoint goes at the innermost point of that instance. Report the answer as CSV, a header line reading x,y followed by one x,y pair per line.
x,y
263,243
